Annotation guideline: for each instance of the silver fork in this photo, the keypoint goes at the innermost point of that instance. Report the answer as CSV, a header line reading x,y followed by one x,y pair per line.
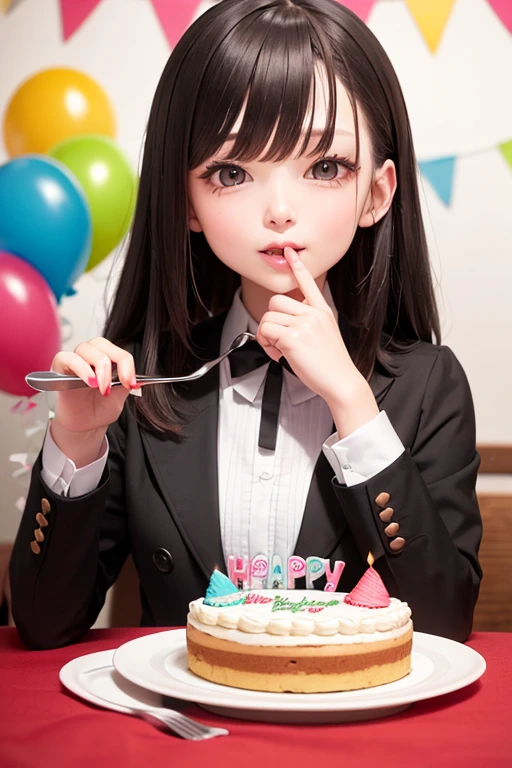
x,y
180,724
49,381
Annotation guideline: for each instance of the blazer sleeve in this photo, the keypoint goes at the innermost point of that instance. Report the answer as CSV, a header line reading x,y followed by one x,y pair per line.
x,y
58,592
432,492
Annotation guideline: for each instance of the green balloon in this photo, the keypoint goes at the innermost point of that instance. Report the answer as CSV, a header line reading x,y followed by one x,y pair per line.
x,y
109,183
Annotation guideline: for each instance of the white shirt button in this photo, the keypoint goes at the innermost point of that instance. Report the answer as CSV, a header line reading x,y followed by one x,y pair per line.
x,y
347,466
265,475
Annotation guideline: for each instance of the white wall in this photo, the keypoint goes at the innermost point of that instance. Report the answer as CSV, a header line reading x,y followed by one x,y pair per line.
x,y
459,102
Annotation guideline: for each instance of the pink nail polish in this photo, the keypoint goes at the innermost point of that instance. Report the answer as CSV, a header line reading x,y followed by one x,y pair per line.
x,y
93,382
108,390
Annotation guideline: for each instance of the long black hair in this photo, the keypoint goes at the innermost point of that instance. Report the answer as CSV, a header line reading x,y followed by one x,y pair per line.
x,y
266,52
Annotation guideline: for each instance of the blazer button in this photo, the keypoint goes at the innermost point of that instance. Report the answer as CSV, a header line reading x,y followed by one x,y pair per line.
x,y
163,560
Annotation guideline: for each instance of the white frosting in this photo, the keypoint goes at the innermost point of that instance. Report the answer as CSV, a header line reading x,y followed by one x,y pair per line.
x,y
294,617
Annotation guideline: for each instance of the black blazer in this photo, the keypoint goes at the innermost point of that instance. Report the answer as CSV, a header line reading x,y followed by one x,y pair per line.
x,y
158,499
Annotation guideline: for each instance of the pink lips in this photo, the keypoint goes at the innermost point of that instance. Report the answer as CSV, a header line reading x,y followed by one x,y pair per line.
x,y
278,261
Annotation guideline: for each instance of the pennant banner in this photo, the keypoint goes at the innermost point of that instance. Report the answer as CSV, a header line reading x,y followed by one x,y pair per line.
x,y
73,13
431,18
174,17
506,151
503,9
361,7
440,171
440,174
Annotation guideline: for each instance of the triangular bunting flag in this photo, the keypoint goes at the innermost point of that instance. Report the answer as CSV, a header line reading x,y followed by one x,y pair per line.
x,y
503,9
73,13
5,5
440,174
431,17
174,17
361,7
506,151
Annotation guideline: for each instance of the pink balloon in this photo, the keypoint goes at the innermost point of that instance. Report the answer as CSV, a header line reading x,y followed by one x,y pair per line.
x,y
29,324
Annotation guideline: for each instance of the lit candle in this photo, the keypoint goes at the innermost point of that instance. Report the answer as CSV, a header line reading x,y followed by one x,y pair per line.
x,y
259,571
369,591
333,576
315,567
219,586
296,569
276,573
238,571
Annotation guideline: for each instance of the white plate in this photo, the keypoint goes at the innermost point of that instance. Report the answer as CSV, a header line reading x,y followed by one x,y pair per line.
x,y
94,678
158,662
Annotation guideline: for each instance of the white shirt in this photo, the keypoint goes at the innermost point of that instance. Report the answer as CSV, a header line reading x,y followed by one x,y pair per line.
x,y
262,493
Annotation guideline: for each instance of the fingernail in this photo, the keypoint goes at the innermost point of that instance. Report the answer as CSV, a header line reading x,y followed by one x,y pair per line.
x,y
93,382
133,382
134,386
293,255
107,390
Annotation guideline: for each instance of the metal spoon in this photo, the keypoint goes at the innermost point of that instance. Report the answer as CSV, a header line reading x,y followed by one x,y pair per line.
x,y
49,381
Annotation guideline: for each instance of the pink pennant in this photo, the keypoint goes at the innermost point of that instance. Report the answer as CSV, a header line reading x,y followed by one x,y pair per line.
x,y
361,7
503,9
74,13
174,17
23,406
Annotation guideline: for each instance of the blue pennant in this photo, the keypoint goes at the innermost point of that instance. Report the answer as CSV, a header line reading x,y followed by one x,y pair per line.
x,y
440,174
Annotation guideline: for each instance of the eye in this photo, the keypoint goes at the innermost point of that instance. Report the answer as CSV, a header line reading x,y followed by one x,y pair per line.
x,y
222,175
230,177
326,170
331,169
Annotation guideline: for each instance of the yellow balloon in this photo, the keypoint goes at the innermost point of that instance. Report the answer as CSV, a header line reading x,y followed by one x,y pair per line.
x,y
54,105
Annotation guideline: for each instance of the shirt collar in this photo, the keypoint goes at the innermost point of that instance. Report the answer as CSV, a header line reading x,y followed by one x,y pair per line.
x,y
238,320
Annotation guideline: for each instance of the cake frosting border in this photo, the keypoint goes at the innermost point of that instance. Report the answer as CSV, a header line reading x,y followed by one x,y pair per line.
x,y
243,624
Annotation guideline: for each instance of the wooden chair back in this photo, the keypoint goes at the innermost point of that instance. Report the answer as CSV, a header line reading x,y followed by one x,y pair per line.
x,y
494,607
5,612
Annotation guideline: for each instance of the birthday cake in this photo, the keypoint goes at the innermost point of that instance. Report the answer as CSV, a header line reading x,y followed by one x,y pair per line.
x,y
300,641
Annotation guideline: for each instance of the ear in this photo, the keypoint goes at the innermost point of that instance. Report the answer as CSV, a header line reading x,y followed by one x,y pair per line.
x,y
380,195
193,222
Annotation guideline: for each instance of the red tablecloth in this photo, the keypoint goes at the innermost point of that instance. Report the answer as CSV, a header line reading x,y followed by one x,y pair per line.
x,y
43,725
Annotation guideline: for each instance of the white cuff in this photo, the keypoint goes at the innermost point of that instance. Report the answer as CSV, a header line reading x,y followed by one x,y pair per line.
x,y
61,475
366,452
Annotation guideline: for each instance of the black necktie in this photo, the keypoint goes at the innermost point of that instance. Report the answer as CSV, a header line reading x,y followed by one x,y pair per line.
x,y
248,358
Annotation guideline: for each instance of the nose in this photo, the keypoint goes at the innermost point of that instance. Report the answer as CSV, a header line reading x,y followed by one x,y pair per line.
x,y
280,213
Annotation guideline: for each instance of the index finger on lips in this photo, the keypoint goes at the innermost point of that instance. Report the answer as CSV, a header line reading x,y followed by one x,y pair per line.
x,y
305,279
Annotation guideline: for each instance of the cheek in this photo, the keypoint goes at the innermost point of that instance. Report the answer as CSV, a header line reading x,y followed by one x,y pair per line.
x,y
334,213
221,217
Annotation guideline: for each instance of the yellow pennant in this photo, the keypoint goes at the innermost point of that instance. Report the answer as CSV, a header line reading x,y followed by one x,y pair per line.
x,y
506,151
5,5
431,16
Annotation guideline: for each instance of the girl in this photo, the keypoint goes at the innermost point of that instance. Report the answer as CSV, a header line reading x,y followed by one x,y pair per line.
x,y
278,195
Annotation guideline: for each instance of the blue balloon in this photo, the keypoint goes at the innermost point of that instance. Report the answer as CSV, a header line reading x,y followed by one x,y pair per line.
x,y
45,219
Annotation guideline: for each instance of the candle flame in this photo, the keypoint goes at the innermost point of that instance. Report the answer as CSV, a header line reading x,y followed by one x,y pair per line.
x,y
370,559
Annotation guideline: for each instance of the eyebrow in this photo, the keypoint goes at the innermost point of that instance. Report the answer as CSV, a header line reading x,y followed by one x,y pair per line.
x,y
315,132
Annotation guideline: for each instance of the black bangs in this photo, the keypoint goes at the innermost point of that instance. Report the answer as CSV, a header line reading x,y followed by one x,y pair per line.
x,y
266,64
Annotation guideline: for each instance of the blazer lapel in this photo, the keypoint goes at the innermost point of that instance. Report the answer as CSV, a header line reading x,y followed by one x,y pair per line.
x,y
324,523
185,468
